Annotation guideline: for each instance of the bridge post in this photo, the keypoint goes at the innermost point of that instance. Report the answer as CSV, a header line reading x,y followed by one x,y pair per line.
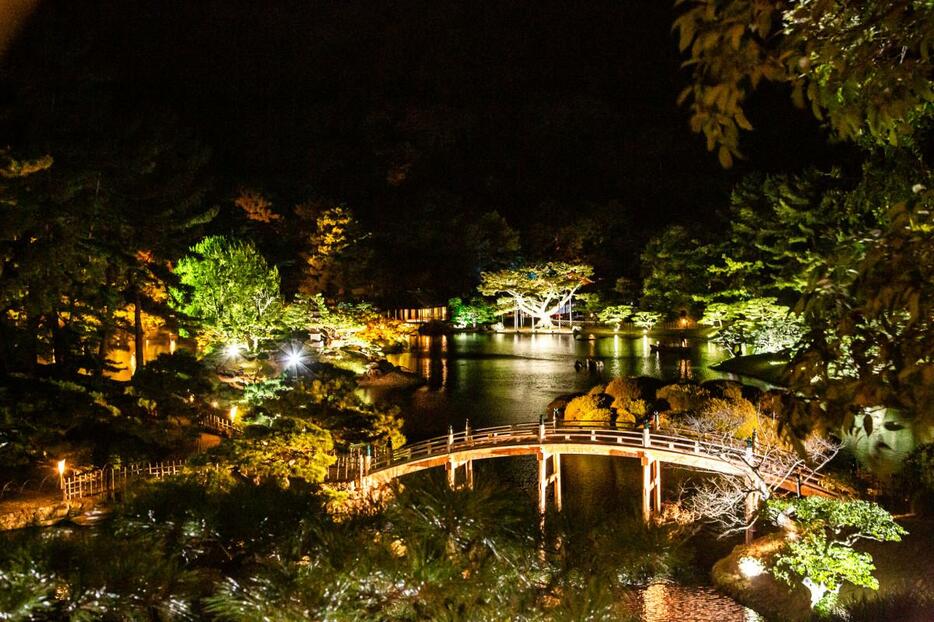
x,y
646,488
646,439
750,506
451,469
542,482
556,465
651,486
468,472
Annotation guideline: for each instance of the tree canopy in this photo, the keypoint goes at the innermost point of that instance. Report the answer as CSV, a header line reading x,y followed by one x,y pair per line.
x,y
229,288
865,67
539,290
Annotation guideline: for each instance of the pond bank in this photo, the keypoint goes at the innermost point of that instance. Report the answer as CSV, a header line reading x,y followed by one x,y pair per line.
x,y
768,367
31,510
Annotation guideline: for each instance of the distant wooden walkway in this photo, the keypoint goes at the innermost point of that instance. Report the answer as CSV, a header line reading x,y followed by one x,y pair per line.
x,y
545,440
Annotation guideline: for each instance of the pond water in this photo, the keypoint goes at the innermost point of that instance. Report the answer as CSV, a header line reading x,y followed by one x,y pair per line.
x,y
494,379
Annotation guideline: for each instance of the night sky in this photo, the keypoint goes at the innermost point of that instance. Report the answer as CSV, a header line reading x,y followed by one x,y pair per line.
x,y
538,109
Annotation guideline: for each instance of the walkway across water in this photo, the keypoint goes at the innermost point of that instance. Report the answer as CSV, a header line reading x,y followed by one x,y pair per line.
x,y
548,441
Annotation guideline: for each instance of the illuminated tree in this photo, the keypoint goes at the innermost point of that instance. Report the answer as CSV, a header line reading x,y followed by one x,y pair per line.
x,y
230,290
288,448
871,338
646,320
329,262
256,207
820,554
615,315
539,290
472,313
674,268
759,322
346,325
864,67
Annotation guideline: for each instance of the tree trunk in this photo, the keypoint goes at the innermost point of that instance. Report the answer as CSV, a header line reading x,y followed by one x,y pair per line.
x,y
138,336
101,352
59,347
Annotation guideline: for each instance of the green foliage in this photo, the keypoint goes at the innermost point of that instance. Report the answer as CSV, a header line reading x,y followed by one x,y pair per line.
x,y
287,449
646,320
170,380
674,271
865,68
917,474
871,338
261,391
539,290
758,322
821,556
476,312
615,315
231,291
347,326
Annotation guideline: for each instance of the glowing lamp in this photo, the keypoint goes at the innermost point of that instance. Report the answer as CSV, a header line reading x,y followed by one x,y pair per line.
x,y
214,404
232,350
61,468
233,413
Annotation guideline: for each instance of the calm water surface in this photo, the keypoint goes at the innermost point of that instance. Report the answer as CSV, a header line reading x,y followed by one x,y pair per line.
x,y
495,379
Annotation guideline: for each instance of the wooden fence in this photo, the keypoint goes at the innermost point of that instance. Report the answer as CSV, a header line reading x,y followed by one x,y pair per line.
x,y
109,480
216,423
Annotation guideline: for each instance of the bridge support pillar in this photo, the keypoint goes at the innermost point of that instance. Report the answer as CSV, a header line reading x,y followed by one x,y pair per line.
x,y
651,486
750,506
452,467
542,482
545,479
556,466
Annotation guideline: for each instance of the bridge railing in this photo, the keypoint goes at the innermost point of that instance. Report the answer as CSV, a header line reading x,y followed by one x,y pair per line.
x,y
681,440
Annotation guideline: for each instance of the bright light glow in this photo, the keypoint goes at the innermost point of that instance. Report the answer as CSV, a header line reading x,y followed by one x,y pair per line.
x,y
751,567
214,404
61,467
232,350
172,345
294,357
233,413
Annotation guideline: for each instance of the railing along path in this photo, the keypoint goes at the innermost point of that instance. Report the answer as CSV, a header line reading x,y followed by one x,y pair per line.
x,y
775,467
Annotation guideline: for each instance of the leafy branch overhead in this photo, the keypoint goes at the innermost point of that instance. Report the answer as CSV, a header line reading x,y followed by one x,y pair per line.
x,y
864,68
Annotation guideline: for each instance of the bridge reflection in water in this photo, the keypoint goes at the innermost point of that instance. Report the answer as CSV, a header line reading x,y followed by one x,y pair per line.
x,y
548,441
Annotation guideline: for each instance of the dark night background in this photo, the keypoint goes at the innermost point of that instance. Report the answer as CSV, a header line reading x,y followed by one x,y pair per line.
x,y
416,114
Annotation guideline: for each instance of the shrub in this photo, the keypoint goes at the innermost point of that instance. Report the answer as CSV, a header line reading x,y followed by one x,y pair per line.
x,y
684,397
623,390
597,390
588,408
720,416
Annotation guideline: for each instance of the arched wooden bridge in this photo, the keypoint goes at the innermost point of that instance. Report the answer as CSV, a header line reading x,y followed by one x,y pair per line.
x,y
548,441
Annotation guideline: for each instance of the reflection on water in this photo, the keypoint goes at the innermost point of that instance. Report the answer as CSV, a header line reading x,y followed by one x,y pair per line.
x,y
492,379
123,354
666,602
883,437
